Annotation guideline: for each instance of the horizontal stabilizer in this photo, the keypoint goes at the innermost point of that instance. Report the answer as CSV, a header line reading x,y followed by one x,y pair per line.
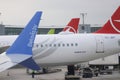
x,y
31,64
7,62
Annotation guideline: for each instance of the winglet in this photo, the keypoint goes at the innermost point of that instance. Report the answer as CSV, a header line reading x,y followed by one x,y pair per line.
x,y
21,49
112,26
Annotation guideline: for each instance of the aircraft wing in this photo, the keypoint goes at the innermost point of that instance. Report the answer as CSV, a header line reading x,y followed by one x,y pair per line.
x,y
20,51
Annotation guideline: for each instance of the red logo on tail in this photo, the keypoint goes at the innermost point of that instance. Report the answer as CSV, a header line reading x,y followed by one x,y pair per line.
x,y
72,26
113,25
70,29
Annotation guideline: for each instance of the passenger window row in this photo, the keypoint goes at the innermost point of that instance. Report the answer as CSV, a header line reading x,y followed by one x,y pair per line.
x,y
56,45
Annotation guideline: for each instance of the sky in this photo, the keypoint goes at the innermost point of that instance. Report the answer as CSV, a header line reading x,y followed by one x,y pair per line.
x,y
56,12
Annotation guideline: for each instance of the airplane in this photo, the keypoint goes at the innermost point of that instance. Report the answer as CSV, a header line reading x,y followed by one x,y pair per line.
x,y
12,60
55,50
76,48
67,49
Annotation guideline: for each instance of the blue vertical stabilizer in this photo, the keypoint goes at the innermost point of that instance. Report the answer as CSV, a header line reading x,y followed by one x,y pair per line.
x,y
24,43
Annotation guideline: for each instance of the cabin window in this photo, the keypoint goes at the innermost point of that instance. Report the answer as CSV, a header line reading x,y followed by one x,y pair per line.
x,y
58,45
41,45
54,45
76,44
50,45
63,45
71,44
68,45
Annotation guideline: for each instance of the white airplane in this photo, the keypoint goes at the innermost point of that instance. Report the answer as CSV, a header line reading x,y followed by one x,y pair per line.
x,y
76,48
52,50
9,56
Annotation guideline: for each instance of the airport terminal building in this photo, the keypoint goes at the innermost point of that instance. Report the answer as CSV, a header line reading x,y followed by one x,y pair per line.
x,y
113,60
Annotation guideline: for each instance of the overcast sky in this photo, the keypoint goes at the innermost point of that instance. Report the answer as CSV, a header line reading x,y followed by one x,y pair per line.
x,y
56,12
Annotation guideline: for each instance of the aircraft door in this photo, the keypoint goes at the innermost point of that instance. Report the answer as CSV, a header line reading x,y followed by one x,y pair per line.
x,y
99,44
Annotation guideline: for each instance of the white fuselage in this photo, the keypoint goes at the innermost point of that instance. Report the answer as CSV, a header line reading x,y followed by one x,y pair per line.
x,y
50,50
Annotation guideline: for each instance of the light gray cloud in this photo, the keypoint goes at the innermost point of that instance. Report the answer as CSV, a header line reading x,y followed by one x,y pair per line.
x,y
56,12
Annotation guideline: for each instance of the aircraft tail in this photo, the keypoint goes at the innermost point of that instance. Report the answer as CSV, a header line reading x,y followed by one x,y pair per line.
x,y
51,31
72,26
113,24
20,51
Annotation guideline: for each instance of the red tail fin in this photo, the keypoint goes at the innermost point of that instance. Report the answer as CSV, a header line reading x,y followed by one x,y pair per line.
x,y
72,26
113,24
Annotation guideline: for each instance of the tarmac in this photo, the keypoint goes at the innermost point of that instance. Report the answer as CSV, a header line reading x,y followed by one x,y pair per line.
x,y
20,74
